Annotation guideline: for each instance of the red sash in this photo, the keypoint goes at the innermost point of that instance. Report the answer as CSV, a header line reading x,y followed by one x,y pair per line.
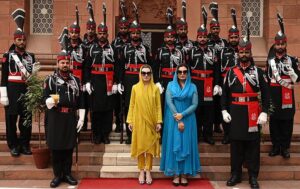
x,y
77,69
133,69
286,94
253,106
225,72
107,70
206,76
168,72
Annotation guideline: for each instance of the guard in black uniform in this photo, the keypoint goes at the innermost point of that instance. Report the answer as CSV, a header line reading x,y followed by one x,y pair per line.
x,y
214,36
182,41
282,72
77,52
63,97
228,59
17,66
241,108
167,58
90,37
134,55
118,45
218,44
100,77
205,74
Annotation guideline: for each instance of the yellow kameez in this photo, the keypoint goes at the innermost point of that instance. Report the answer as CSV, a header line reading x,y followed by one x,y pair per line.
x,y
144,114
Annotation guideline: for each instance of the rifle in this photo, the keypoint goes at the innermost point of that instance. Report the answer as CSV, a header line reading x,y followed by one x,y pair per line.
x,y
76,152
121,117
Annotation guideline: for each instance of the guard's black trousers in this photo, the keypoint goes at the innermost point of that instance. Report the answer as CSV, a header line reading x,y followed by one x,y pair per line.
x,y
62,162
281,132
245,151
102,124
205,120
11,130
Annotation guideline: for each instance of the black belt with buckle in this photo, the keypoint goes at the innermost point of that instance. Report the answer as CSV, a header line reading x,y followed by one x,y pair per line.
x,y
100,69
202,75
244,99
65,109
168,73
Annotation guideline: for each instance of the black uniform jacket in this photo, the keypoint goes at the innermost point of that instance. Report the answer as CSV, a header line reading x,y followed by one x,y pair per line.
x,y
62,119
239,113
14,79
101,60
277,110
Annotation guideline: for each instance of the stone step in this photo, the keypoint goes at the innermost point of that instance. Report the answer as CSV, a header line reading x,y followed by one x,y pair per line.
x,y
211,172
21,172
30,172
116,147
124,159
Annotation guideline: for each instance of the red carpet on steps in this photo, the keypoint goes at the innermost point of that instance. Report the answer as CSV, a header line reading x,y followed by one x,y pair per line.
x,y
130,183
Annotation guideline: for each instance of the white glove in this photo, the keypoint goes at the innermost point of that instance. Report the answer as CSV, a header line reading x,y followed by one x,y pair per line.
x,y
161,89
50,103
81,120
292,74
226,116
220,90
36,67
262,118
120,88
4,99
114,89
216,90
89,88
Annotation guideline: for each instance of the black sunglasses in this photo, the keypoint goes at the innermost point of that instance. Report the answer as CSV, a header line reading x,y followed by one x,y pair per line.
x,y
145,73
182,72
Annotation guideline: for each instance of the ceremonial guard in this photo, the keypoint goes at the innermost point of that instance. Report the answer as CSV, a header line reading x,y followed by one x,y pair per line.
x,y
90,37
135,54
100,77
118,44
241,108
283,72
167,58
76,50
63,98
218,44
182,41
205,74
214,36
228,58
17,66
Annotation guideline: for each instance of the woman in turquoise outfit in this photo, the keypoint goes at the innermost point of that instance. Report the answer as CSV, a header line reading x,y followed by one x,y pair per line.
x,y
180,156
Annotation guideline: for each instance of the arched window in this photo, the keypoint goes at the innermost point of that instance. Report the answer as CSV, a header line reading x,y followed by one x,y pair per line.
x,y
41,22
254,10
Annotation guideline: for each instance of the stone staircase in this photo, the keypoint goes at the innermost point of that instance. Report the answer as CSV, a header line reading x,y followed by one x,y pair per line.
x,y
114,161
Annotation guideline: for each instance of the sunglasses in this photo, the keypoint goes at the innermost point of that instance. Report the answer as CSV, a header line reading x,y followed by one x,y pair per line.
x,y
145,73
184,72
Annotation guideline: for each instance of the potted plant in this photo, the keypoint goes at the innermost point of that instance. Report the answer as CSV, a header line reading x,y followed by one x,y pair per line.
x,y
33,102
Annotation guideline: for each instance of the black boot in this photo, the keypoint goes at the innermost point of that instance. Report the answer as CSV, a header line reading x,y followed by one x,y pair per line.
x,y
226,140
209,140
55,182
26,150
128,141
285,153
253,183
274,152
70,180
15,152
234,179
